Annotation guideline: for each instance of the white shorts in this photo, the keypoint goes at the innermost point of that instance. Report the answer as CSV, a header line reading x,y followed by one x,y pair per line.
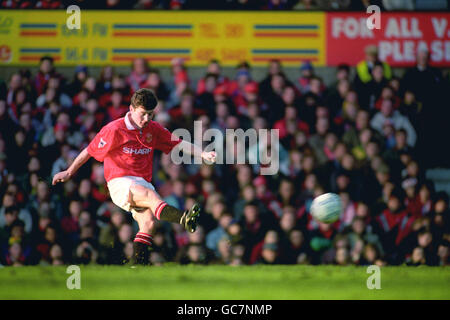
x,y
119,190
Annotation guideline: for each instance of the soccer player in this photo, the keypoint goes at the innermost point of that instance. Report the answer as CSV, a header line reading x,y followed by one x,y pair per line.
x,y
126,147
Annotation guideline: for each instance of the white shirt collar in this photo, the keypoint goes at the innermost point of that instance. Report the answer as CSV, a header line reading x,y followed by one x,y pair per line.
x,y
128,123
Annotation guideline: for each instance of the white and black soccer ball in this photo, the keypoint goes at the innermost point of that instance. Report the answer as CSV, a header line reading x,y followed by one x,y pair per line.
x,y
326,208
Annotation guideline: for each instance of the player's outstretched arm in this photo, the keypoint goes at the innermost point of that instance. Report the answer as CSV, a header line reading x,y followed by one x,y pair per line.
x,y
196,151
63,176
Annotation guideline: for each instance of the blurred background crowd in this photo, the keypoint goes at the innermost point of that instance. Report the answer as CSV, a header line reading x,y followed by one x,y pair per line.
x,y
364,136
348,5
358,138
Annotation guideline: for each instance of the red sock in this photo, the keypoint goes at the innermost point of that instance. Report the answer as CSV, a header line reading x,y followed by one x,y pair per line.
x,y
159,208
144,238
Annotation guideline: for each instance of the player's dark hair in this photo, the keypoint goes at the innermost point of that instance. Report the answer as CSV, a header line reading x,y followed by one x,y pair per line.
x,y
144,97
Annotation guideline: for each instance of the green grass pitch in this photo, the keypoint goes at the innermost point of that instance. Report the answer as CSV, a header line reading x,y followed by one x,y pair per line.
x,y
225,283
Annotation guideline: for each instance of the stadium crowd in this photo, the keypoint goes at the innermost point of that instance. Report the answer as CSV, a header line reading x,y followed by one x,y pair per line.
x,y
349,5
358,137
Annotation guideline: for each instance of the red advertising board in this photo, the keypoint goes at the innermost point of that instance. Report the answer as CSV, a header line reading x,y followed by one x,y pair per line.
x,y
399,37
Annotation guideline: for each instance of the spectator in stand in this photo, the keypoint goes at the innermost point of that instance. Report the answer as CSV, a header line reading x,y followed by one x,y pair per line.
x,y
337,95
104,83
139,74
364,68
307,72
52,93
252,106
216,235
423,80
317,140
47,4
7,126
213,67
393,5
116,108
158,86
444,253
236,88
179,83
17,4
274,68
290,117
428,245
255,224
371,256
276,5
46,70
306,5
427,85
274,98
183,116
205,100
309,83
243,5
411,108
388,114
15,82
370,91
81,74
388,93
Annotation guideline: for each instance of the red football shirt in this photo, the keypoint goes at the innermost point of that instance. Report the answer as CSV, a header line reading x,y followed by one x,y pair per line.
x,y
128,151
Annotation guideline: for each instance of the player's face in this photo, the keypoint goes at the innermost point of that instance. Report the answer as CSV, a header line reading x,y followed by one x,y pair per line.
x,y
141,116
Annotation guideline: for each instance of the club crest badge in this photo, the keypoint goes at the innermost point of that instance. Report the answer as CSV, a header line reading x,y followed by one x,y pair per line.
x,y
148,138
102,143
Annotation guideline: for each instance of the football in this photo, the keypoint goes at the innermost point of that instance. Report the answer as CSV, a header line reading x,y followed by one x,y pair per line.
x,y
326,208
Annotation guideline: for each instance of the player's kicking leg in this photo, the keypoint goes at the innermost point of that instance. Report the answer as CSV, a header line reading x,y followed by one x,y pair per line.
x,y
143,197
